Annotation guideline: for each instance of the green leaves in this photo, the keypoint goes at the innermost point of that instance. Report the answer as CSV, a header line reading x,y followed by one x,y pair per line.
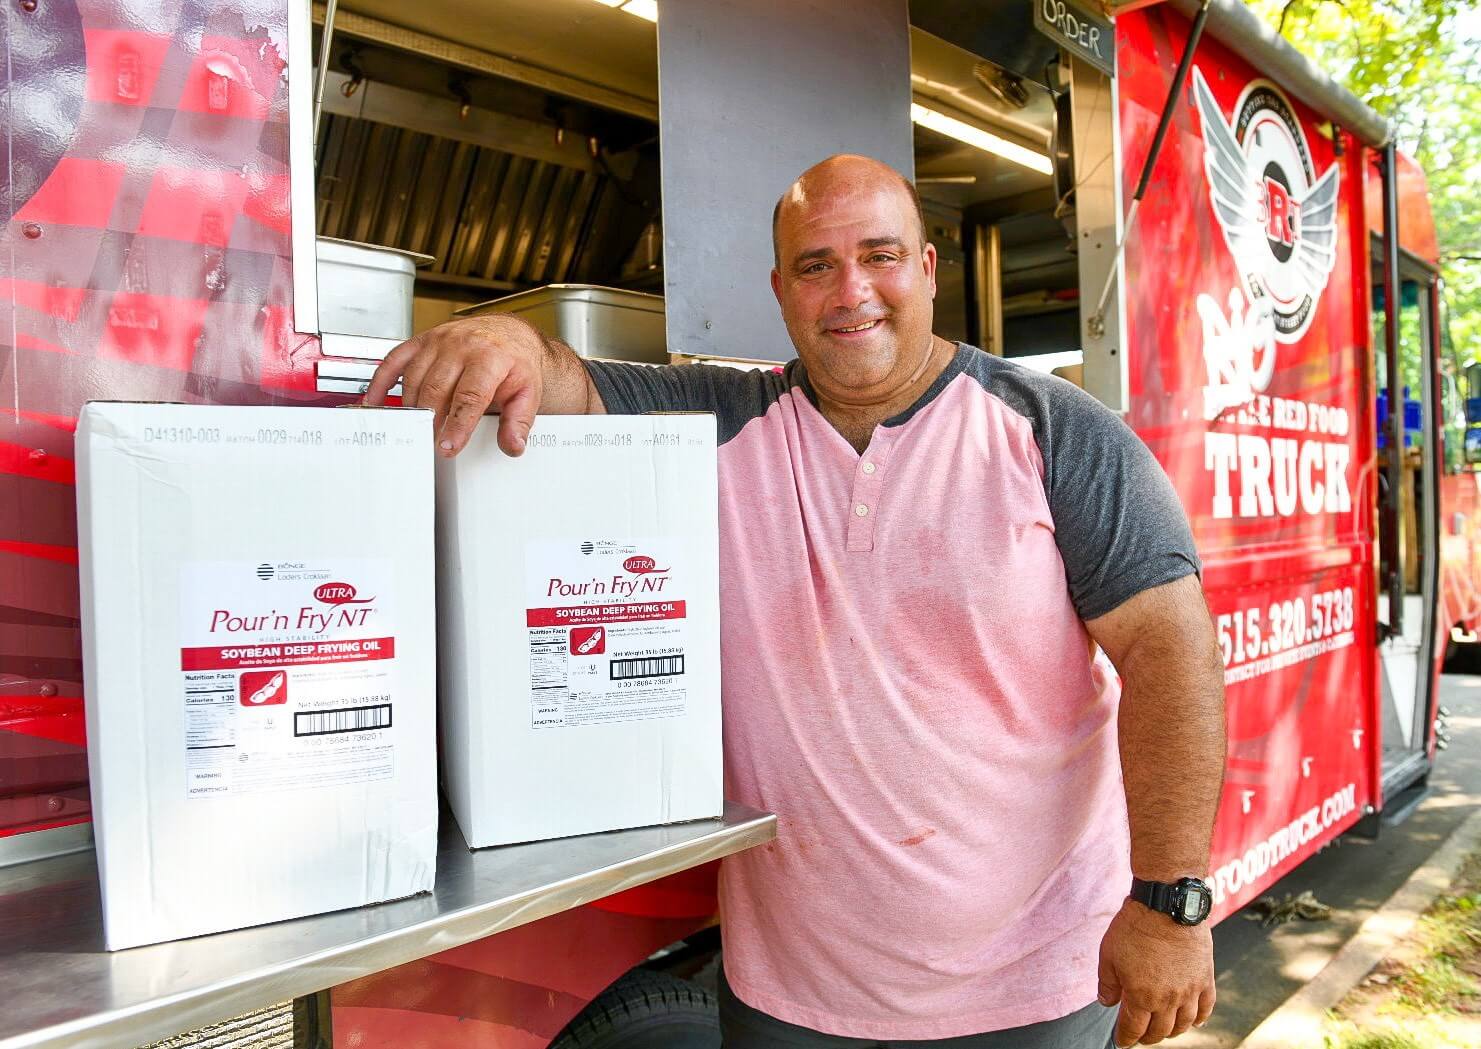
x,y
1416,62
1384,51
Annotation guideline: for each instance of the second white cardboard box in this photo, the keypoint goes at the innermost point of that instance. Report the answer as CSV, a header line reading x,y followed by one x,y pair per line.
x,y
258,648
578,624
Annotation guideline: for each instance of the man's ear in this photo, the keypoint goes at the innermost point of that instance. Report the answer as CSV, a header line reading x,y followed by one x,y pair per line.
x,y
928,260
776,286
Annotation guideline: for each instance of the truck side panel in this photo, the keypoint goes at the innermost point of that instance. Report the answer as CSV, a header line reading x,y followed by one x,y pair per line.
x,y
516,990
147,258
1252,380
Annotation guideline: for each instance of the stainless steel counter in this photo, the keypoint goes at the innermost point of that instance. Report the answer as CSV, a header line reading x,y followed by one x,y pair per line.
x,y
59,988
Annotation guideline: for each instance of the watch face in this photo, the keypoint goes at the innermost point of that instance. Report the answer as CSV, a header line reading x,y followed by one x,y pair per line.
x,y
1192,906
1196,902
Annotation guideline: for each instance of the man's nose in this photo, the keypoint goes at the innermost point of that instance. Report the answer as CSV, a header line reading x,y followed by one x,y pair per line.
x,y
854,288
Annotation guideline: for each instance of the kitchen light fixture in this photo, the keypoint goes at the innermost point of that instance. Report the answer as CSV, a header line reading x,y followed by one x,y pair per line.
x,y
979,139
642,8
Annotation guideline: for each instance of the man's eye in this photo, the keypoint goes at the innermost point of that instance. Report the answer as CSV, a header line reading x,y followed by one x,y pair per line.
x,y
816,267
881,256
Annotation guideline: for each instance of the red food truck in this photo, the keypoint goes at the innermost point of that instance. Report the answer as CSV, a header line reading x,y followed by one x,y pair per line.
x,y
1160,201
1263,244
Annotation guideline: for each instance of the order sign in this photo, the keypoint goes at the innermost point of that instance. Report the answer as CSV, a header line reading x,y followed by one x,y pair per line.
x,y
1083,34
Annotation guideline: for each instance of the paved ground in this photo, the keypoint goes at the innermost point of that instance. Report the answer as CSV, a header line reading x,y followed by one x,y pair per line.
x,y
1258,969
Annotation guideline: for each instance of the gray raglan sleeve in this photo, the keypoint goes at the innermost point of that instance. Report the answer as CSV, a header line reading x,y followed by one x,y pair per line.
x,y
735,396
1118,522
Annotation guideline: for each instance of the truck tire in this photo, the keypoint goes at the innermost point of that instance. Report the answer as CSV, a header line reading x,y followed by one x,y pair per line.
x,y
646,1010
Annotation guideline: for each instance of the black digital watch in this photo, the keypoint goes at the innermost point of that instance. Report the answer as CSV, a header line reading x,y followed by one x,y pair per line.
x,y
1187,901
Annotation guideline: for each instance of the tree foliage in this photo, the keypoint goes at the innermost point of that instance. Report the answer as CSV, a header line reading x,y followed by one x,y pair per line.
x,y
1415,62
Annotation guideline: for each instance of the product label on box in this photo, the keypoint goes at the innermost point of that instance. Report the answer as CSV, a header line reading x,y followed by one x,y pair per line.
x,y
288,674
608,630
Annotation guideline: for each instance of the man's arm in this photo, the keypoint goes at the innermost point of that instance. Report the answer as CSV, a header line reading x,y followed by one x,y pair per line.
x,y
1172,736
465,368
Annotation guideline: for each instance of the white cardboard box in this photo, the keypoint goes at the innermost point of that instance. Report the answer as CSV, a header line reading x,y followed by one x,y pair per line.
x,y
578,623
259,657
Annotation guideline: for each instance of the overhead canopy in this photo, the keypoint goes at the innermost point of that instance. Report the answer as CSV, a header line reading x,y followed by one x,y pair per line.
x,y
1236,26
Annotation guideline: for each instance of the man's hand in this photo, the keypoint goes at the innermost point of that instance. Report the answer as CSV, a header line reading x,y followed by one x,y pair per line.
x,y
1160,972
463,368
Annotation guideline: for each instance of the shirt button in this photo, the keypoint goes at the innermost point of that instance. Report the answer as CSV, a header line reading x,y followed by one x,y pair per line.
x,y
861,510
869,468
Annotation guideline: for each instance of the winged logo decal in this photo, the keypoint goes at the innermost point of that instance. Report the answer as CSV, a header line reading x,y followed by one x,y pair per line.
x,y
1279,222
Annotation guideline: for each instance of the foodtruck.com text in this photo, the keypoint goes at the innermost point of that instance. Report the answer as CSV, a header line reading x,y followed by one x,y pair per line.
x,y
1263,855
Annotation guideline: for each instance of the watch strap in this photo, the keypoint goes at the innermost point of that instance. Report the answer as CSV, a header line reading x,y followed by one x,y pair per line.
x,y
1159,896
1174,900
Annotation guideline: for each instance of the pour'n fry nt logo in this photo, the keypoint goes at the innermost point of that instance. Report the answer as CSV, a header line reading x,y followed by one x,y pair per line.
x,y
339,594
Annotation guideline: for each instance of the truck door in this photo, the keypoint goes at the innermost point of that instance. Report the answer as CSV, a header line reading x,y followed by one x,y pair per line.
x,y
1407,522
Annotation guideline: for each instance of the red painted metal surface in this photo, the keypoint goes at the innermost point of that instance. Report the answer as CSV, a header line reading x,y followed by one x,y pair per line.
x,y
516,990
1264,420
147,258
1449,489
1416,221
1460,551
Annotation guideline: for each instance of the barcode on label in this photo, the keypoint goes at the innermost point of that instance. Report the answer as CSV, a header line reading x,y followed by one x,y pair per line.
x,y
349,719
659,666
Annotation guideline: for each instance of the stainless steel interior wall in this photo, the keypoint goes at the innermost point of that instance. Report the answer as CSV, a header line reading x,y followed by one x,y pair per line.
x,y
493,221
750,94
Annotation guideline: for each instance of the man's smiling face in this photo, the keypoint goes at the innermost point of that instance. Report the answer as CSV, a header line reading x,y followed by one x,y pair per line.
x,y
855,279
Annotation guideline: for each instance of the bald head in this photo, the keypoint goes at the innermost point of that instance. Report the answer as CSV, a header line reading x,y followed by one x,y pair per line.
x,y
846,173
855,279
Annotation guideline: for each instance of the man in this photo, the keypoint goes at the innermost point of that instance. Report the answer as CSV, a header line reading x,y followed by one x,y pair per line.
x,y
922,547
